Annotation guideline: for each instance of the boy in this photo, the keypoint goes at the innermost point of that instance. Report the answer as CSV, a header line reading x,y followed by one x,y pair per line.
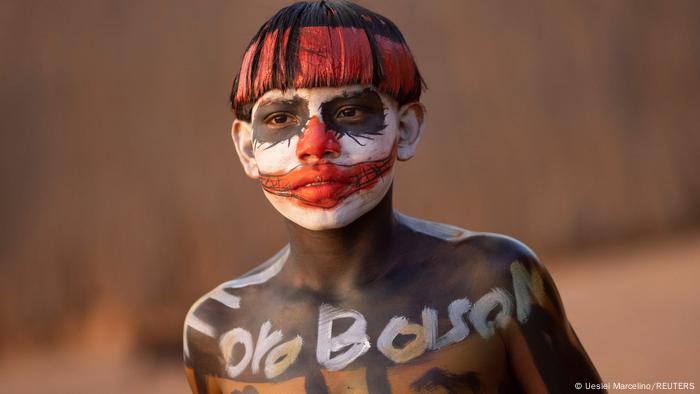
x,y
364,299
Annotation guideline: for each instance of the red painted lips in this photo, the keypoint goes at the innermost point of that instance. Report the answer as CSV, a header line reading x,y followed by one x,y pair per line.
x,y
324,185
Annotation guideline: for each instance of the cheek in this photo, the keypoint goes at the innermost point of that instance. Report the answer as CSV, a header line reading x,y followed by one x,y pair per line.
x,y
373,149
279,158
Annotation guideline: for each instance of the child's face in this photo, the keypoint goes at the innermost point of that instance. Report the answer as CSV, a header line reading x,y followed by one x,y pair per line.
x,y
325,156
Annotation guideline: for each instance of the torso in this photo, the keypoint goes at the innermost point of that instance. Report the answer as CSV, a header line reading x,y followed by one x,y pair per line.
x,y
452,266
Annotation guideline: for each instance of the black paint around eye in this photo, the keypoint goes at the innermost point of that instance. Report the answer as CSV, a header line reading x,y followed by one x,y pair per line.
x,y
264,134
370,123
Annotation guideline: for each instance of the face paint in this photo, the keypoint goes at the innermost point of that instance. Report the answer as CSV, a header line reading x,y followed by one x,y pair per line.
x,y
278,121
326,185
325,155
358,116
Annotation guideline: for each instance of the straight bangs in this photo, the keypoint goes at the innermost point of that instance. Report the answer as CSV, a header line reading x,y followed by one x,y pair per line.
x,y
319,44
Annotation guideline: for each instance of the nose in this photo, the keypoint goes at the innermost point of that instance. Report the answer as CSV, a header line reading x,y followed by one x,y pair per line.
x,y
317,143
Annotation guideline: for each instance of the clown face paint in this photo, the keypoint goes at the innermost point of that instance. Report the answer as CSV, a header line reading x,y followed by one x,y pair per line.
x,y
325,155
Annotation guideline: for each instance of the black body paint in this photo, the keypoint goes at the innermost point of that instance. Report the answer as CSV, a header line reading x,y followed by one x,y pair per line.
x,y
454,383
246,390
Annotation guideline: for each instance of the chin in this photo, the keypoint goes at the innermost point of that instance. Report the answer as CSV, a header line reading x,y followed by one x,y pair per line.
x,y
345,212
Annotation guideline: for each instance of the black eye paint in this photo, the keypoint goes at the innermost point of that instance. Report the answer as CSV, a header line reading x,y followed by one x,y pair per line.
x,y
368,120
265,133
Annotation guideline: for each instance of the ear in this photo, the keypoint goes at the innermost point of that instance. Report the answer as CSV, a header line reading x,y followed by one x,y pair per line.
x,y
411,121
242,135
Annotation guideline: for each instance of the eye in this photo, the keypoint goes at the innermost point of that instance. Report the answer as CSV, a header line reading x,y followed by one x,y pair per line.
x,y
280,120
350,114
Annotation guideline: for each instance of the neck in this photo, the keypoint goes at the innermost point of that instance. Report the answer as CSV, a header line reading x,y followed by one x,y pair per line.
x,y
341,259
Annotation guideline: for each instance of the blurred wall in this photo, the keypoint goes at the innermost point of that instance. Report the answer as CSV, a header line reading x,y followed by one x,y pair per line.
x,y
565,124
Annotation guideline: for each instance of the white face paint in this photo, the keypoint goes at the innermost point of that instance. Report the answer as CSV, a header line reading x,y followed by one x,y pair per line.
x,y
325,155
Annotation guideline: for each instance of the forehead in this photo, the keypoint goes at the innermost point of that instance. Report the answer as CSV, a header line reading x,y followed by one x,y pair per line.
x,y
315,96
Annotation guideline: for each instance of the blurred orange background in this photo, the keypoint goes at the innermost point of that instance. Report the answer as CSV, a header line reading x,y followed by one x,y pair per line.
x,y
573,126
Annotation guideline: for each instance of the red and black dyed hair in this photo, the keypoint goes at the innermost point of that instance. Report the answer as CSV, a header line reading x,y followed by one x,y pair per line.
x,y
313,44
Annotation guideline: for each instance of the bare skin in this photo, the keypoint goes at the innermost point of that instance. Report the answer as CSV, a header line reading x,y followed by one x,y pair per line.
x,y
385,265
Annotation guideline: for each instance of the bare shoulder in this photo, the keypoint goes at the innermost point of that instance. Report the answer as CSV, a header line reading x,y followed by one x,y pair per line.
x,y
514,295
213,314
489,257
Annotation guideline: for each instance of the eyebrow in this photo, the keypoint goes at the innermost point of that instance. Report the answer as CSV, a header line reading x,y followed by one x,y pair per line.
x,y
281,100
348,95
357,92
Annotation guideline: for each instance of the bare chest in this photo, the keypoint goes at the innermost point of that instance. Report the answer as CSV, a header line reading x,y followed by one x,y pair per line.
x,y
398,345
